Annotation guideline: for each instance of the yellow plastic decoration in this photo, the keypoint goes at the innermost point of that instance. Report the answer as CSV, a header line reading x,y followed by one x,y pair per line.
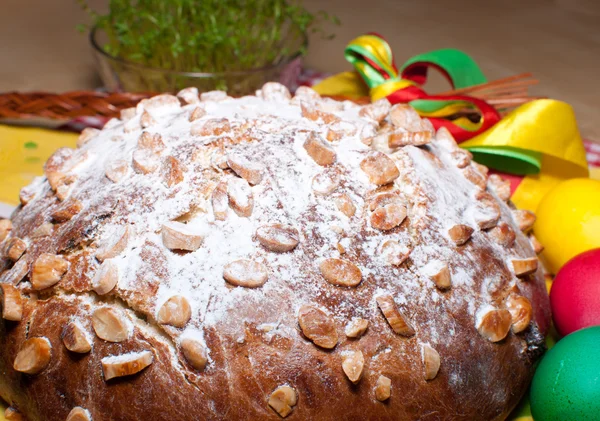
x,y
23,152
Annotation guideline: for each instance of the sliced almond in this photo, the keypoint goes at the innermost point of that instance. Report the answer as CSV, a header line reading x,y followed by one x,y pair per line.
x,y
439,273
15,274
34,356
176,312
431,361
487,210
520,310
106,278
500,186
240,196
15,248
172,171
110,325
494,324
377,110
404,138
116,170
314,114
75,339
197,114
211,127
145,161
48,270
535,244
189,95
151,142
27,194
194,352
277,237
67,211
379,168
461,157
460,234
117,244
177,236
318,326
79,414
404,116
524,218
86,135
126,364
475,176
503,234
249,171
325,183
5,228
282,400
345,205
220,201
394,253
340,272
321,153
12,303
44,230
356,327
387,217
146,120
397,321
353,363
383,388
524,267
56,167
246,273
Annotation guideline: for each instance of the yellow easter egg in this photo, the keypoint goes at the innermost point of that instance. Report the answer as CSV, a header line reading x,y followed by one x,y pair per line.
x,y
568,221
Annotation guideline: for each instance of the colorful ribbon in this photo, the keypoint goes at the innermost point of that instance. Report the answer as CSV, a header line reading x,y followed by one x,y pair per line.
x,y
372,58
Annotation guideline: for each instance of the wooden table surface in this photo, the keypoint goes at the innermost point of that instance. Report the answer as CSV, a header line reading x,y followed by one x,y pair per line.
x,y
557,40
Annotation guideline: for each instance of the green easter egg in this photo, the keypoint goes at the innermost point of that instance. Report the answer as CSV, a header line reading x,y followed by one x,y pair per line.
x,y
566,385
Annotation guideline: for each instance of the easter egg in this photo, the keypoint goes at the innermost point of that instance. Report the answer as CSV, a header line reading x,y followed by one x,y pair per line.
x,y
566,385
568,221
575,293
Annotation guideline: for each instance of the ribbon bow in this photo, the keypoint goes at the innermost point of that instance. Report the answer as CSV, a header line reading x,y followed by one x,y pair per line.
x,y
372,58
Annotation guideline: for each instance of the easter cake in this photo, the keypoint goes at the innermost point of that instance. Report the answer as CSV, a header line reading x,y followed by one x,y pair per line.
x,y
272,256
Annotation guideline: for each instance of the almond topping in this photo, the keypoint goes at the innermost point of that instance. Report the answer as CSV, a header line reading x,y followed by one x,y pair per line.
x,y
525,219
431,361
462,158
240,196
439,273
48,270
460,234
55,167
394,253
15,248
114,249
403,138
274,91
353,363
109,325
325,183
318,326
345,205
86,135
172,171
215,96
177,236
146,120
397,321
67,211
340,272
383,388
520,311
495,324
282,400
524,267
356,327
487,211
176,311
197,114
377,110
314,114
535,244
126,364
474,176
503,234
26,195
79,414
5,228
75,338
211,127
277,237
43,230
500,186
246,273
194,352
12,303
15,274
116,170
106,278
404,116
481,169
387,217
249,171
379,168
151,142
189,95
220,201
34,356
145,161
307,94
321,153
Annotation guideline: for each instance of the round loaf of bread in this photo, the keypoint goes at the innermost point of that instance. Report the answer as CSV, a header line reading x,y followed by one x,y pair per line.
x,y
267,257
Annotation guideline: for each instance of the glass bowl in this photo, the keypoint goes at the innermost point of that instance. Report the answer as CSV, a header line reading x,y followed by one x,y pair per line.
x,y
119,75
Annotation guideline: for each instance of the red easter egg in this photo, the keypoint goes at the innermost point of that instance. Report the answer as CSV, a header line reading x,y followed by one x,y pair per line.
x,y
575,293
